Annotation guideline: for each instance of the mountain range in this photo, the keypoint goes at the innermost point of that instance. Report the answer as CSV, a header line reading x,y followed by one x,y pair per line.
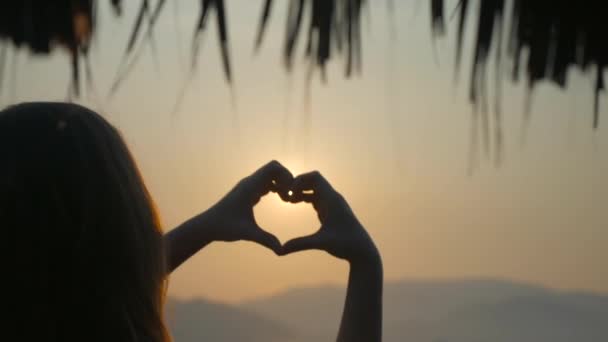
x,y
414,310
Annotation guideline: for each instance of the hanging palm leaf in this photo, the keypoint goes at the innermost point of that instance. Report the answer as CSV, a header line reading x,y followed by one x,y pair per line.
x,y
557,33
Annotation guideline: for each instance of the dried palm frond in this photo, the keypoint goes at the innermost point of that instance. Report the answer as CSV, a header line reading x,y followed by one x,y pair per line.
x,y
558,34
40,25
145,13
334,25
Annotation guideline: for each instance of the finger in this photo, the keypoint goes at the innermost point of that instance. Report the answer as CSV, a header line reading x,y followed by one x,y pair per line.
x,y
267,240
311,181
314,241
308,197
320,209
312,188
273,177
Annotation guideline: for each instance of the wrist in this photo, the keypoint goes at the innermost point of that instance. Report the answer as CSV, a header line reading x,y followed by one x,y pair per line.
x,y
369,267
205,225
367,255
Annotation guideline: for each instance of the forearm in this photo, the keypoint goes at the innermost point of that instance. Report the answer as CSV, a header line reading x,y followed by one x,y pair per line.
x,y
362,316
188,238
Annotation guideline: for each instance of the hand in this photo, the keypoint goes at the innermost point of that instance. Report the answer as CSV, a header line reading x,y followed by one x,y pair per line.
x,y
232,217
341,234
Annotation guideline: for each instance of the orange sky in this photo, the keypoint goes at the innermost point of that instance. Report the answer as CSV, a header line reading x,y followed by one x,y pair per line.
x,y
395,141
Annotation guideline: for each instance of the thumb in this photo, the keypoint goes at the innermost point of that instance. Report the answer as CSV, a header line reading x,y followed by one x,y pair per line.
x,y
266,239
303,243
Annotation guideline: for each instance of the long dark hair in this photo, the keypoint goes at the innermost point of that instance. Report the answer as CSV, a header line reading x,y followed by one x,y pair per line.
x,y
85,251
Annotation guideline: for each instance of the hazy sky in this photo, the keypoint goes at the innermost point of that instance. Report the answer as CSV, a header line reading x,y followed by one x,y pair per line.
x,y
395,141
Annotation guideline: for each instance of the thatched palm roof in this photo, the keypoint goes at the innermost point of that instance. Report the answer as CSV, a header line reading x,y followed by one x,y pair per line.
x,y
559,34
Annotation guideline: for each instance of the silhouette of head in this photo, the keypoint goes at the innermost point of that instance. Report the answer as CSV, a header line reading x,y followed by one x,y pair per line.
x,y
85,250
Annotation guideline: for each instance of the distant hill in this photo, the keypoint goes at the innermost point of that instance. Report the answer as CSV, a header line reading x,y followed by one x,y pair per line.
x,y
421,311
451,311
201,320
529,318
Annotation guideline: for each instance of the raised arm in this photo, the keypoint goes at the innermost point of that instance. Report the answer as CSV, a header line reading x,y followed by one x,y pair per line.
x,y
230,219
342,236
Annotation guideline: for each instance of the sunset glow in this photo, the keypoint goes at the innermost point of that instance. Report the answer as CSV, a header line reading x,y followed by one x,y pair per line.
x,y
395,141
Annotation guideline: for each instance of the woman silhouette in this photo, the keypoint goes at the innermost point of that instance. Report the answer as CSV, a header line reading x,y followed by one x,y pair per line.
x,y
87,260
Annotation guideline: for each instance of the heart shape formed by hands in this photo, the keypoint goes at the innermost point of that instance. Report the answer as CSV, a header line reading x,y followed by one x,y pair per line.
x,y
340,233
283,219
